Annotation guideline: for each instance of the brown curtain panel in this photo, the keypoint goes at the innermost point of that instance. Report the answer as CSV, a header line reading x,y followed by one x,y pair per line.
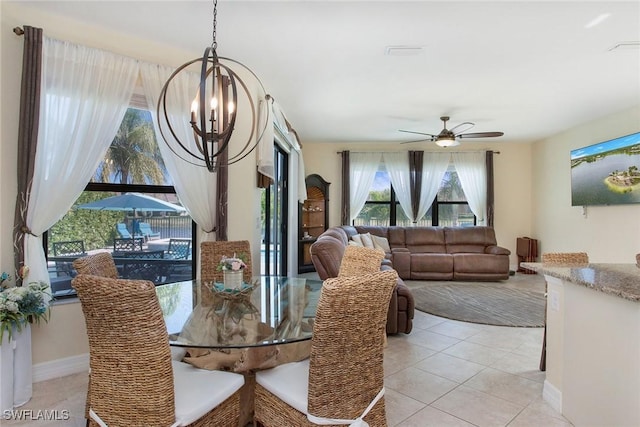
x,y
27,135
416,159
490,191
345,212
222,190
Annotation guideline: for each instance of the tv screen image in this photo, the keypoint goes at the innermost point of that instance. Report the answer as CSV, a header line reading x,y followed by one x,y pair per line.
x,y
607,173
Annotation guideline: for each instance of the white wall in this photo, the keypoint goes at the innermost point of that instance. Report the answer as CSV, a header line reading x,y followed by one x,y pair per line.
x,y
512,174
606,233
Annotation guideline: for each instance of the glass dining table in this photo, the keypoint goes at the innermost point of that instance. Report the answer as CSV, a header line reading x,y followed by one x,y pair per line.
x,y
268,310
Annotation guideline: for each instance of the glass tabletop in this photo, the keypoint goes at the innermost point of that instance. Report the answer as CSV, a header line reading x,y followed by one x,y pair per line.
x,y
267,311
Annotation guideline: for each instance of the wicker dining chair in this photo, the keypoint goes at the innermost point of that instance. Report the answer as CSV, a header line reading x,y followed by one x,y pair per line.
x,y
360,260
558,258
134,381
212,252
100,264
565,258
344,373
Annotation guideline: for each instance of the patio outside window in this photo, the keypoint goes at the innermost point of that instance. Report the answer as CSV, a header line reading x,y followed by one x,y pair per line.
x,y
153,243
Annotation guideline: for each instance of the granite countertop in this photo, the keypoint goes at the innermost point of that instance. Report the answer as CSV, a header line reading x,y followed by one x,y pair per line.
x,y
621,280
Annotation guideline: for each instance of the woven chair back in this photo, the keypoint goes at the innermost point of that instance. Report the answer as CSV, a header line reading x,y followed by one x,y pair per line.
x,y
179,248
360,260
130,360
345,366
212,252
565,258
100,264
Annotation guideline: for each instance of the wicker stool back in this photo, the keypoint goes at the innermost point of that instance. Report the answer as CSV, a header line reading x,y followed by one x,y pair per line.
x,y
100,264
345,366
565,258
130,360
212,252
360,260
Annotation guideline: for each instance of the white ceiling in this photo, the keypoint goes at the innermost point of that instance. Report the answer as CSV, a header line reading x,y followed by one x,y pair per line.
x,y
527,68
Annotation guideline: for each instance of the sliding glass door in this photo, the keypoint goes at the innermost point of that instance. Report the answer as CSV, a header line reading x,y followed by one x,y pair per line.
x,y
275,213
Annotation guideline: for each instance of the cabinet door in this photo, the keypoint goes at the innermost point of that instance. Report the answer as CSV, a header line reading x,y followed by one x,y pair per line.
x,y
313,219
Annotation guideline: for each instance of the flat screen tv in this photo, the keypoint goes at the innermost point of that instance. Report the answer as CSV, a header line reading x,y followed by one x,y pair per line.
x,y
607,173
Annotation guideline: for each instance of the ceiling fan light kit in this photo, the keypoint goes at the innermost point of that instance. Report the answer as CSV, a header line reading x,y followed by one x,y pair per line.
x,y
447,142
451,137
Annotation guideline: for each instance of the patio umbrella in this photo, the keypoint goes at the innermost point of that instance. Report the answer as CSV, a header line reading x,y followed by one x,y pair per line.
x,y
132,202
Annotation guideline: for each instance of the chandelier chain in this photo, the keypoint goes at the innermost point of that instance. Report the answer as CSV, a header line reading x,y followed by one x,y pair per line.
x,y
214,43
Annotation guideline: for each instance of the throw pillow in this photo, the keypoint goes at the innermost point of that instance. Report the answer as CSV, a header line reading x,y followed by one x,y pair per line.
x,y
354,243
360,260
367,241
381,243
363,240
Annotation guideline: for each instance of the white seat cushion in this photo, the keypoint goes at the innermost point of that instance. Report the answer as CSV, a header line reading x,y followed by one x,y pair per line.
x,y
288,382
198,391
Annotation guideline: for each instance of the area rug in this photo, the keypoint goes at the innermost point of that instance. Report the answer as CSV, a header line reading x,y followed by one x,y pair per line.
x,y
518,301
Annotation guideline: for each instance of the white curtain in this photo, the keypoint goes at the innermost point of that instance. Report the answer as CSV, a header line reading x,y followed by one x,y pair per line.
x,y
362,172
195,185
265,146
434,166
472,171
397,165
85,94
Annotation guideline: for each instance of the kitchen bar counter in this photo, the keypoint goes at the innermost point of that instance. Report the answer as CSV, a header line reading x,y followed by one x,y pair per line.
x,y
621,280
593,342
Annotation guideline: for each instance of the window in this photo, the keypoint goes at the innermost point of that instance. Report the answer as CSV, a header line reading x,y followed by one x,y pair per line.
x,y
450,207
149,234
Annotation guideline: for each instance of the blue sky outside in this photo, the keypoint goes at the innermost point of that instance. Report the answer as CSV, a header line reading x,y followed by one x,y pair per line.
x,y
603,147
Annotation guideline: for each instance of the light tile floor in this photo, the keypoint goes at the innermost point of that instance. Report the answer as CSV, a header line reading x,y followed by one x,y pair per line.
x,y
445,373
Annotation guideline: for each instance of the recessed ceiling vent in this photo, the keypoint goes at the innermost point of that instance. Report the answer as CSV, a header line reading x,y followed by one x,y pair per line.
x,y
403,50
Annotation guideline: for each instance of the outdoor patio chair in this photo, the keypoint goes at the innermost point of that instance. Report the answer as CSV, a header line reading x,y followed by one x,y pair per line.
x,y
121,227
71,249
343,379
179,249
144,254
212,252
147,232
131,244
134,381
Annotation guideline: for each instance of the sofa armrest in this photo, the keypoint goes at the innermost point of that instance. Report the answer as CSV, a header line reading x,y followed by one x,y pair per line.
x,y
401,260
497,250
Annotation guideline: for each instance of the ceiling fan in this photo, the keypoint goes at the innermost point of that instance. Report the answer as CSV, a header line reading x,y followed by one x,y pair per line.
x,y
451,137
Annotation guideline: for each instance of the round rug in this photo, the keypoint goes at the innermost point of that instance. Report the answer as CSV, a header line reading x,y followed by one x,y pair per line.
x,y
519,301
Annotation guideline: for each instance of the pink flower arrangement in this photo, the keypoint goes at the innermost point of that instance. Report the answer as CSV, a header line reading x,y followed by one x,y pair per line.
x,y
235,263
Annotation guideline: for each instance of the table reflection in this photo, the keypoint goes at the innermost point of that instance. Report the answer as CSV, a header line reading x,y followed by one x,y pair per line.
x,y
268,310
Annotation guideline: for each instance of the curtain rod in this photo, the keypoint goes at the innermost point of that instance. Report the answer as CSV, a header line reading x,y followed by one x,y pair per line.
x,y
19,31
494,152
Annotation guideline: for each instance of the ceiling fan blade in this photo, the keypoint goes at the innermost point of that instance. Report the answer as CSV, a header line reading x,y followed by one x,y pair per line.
x,y
480,135
419,140
418,133
462,127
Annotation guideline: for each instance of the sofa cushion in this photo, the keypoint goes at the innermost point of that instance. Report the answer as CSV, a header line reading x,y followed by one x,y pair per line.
x,y
426,240
469,239
381,243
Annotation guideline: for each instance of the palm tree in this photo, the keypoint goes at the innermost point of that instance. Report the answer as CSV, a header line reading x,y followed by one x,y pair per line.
x,y
133,157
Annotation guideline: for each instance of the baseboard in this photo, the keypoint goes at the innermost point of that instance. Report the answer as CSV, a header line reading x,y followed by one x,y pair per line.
x,y
61,367
552,396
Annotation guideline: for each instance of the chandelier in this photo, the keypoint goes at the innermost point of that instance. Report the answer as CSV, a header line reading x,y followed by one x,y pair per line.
x,y
214,110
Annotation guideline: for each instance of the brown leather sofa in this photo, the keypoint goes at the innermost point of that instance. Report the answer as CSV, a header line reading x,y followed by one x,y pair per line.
x,y
326,255
442,253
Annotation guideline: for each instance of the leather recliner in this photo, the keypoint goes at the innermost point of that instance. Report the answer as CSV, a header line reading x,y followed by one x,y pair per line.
x,y
326,254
